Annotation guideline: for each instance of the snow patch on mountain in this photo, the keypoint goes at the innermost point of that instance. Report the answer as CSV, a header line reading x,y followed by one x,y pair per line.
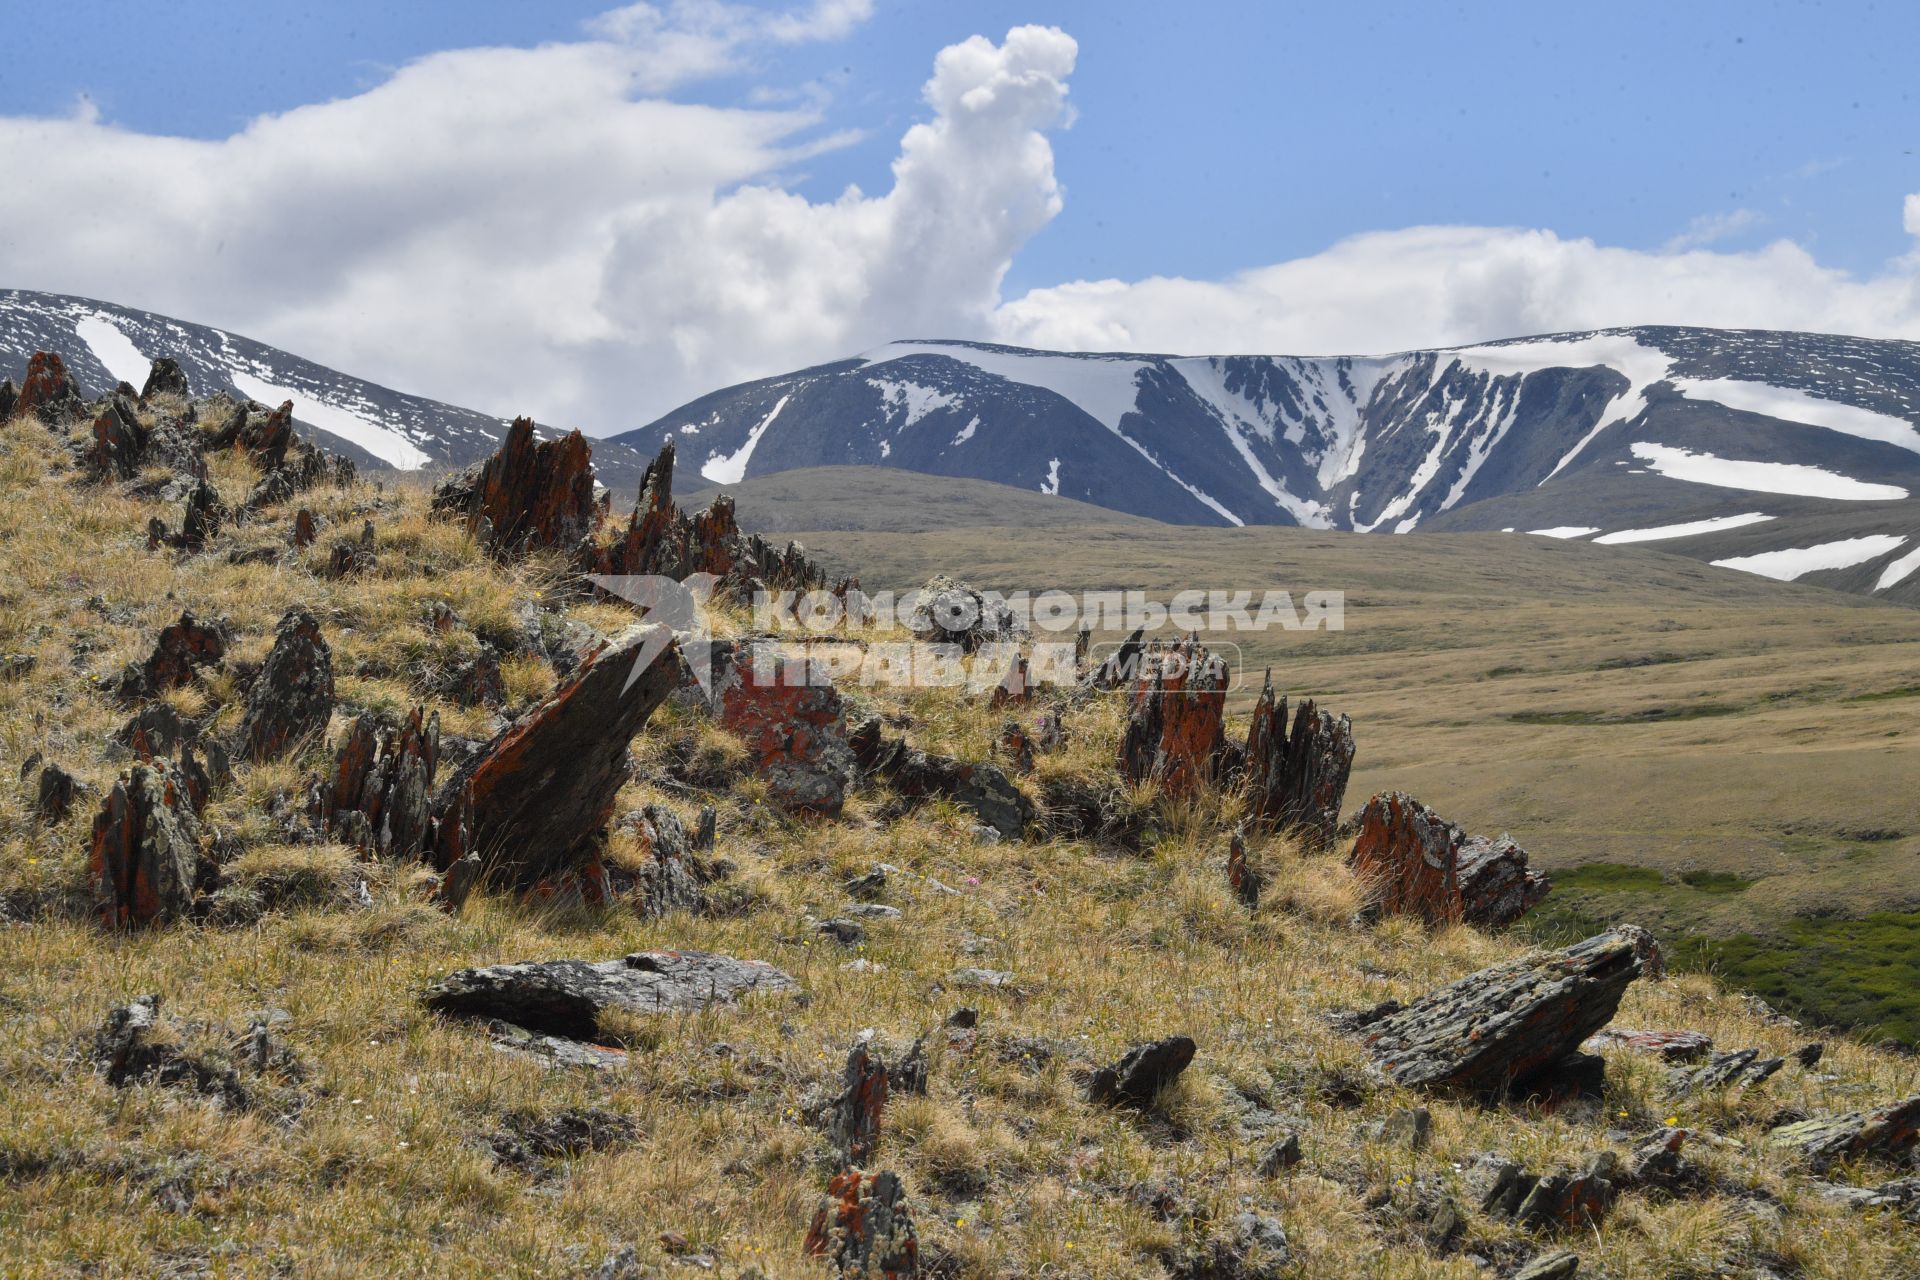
x,y
114,349
1051,485
1760,477
1566,531
383,443
1691,528
1790,405
1796,562
1898,571
732,468
911,399
1106,387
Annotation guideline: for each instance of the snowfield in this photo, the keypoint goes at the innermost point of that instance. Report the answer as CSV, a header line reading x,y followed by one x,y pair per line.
x,y
1797,562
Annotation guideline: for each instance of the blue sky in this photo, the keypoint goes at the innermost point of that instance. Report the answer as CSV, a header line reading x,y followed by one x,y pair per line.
x,y
1227,135
655,195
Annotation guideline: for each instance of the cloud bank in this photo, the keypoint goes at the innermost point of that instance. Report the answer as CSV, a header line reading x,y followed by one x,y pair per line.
x,y
547,230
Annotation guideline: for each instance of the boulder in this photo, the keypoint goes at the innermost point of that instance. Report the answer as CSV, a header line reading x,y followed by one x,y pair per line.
x,y
980,788
145,853
291,699
49,391
1496,888
566,997
1407,857
53,794
164,378
542,791
1724,1070
1888,1131
304,529
957,613
119,443
864,1228
266,440
667,881
1571,1200
1416,863
1174,732
529,495
1555,1264
1672,1046
380,794
1138,1077
791,719
9,397
181,649
1297,782
854,1124
1506,1027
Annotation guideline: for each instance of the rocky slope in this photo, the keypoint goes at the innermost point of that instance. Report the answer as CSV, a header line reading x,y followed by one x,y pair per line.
x,y
104,344
381,900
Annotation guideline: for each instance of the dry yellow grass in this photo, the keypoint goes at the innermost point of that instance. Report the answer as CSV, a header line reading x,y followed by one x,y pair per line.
x,y
381,1172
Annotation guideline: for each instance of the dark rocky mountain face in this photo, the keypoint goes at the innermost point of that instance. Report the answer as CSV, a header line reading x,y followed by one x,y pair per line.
x,y
103,344
1794,455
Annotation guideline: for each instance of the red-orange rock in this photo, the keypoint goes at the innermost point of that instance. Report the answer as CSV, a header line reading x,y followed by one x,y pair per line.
x,y
791,718
145,853
380,796
529,495
49,391
1174,728
855,1125
1407,856
181,649
542,792
864,1228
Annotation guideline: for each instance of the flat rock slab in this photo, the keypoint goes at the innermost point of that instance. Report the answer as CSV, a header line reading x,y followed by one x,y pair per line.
x,y
566,997
1504,1025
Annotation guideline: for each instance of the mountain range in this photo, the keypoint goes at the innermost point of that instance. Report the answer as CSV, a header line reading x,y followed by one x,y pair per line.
x,y
103,343
1792,455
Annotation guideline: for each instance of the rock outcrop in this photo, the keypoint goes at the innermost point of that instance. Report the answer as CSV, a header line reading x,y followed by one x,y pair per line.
x,y
661,539
854,1125
864,1228
1496,886
957,613
978,787
178,653
786,710
380,794
1174,731
1297,782
528,496
1888,1132
542,792
165,378
1407,857
567,997
1138,1077
291,699
145,854
49,391
1507,1027
669,879
1416,863
1571,1200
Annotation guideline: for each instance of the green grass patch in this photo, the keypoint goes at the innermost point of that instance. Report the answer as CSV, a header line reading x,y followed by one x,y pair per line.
x,y
1715,881
1651,715
1885,695
1609,877
1862,974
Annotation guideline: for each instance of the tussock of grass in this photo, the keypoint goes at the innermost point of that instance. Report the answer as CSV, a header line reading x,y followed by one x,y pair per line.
x,y
382,1170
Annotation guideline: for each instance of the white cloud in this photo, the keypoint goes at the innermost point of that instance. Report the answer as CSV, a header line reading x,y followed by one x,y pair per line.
x,y
1432,286
537,230
1711,228
544,230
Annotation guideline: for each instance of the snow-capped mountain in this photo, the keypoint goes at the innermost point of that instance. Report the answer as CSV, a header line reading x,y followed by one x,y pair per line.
x,y
1688,437
103,344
